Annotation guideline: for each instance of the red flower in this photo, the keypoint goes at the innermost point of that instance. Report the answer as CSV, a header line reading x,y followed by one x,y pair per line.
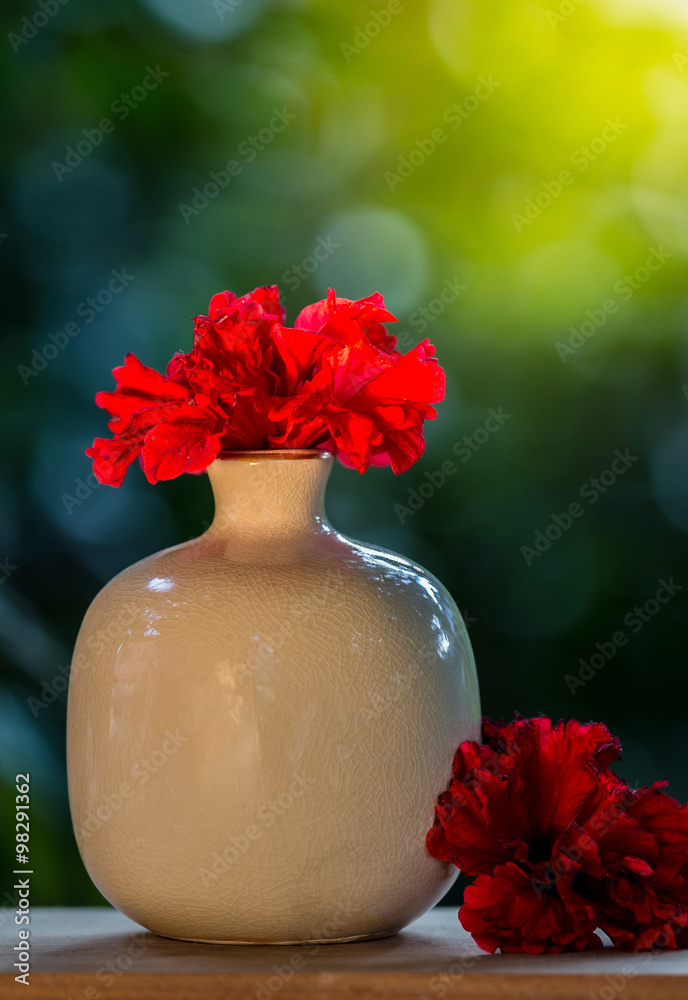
x,y
363,400
513,804
644,901
335,381
502,911
337,316
188,440
560,845
142,400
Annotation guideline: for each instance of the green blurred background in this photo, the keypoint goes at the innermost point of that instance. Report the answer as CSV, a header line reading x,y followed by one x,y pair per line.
x,y
501,172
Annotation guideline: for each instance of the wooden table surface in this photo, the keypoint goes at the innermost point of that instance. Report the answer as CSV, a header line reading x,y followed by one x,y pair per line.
x,y
98,954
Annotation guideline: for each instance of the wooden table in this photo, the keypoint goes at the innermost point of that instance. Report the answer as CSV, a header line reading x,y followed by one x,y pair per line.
x,y
98,954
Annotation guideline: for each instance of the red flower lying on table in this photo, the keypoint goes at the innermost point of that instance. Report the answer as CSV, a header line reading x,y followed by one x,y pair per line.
x,y
559,845
334,381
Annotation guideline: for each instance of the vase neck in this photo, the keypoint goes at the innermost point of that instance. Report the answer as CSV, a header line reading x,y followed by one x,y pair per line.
x,y
267,495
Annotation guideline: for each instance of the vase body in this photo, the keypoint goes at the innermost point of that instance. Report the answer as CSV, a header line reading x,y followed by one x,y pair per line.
x,y
261,719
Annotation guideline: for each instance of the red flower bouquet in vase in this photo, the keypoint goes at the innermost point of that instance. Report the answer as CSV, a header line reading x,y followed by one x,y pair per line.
x,y
240,703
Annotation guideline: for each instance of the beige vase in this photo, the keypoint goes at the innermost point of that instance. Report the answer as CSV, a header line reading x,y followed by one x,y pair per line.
x,y
261,719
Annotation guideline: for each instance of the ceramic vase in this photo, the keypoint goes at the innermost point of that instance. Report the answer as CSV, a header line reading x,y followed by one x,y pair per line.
x,y
261,719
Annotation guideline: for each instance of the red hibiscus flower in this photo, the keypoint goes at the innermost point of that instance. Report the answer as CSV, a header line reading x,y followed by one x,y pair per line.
x,y
502,911
363,400
143,399
334,381
644,897
559,845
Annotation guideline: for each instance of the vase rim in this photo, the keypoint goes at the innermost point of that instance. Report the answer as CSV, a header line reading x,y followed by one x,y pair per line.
x,y
272,454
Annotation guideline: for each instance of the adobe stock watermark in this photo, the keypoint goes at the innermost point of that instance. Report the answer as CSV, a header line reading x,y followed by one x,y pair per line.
x,y
31,25
87,310
267,815
379,703
141,772
567,861
50,691
563,12
421,318
581,159
396,687
7,569
625,289
224,7
322,251
464,448
680,58
271,643
591,491
107,974
583,844
88,655
448,978
453,117
99,641
363,36
247,151
634,621
283,973
121,107
83,490
637,960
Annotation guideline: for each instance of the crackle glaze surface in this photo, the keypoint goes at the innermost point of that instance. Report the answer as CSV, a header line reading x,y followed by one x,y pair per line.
x,y
260,721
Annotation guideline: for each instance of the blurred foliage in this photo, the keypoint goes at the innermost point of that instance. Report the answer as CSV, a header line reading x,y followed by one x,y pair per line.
x,y
425,152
